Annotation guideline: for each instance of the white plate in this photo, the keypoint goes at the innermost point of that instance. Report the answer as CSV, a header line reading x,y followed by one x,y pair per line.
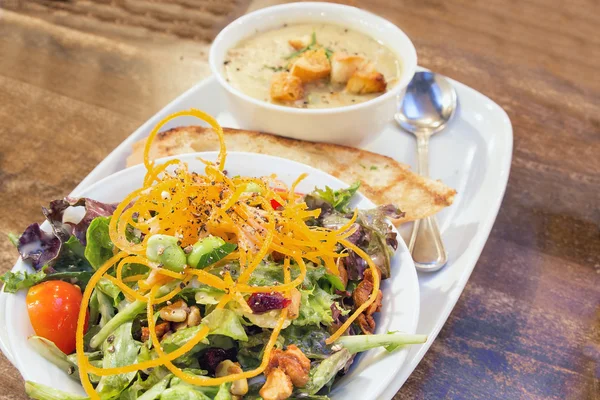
x,y
372,371
472,155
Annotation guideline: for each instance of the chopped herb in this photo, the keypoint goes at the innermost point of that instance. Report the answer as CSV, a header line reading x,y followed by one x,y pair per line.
x,y
328,53
373,167
362,165
313,42
274,69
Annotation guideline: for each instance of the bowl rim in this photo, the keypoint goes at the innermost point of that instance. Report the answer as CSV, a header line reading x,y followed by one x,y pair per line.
x,y
409,64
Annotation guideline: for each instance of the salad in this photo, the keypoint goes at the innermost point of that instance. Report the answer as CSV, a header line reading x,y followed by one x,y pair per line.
x,y
206,286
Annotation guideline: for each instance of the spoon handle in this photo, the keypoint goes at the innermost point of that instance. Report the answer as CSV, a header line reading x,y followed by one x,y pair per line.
x,y
423,154
426,244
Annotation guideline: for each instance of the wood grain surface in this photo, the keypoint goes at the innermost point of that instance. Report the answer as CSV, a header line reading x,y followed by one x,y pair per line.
x,y
77,77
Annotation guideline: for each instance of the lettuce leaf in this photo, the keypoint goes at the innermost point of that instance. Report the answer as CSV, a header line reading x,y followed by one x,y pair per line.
x,y
250,353
38,391
338,199
183,392
15,281
63,230
326,371
119,350
225,322
50,352
315,307
310,340
99,247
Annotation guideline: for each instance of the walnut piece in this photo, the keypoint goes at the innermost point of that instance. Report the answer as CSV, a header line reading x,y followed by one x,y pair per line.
x,y
294,307
277,387
291,361
176,312
228,367
161,330
360,296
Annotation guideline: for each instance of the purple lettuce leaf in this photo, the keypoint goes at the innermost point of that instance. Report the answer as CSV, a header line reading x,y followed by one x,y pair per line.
x,y
66,240
38,247
64,230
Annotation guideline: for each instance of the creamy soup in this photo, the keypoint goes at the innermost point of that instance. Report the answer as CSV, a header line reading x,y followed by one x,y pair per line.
x,y
254,66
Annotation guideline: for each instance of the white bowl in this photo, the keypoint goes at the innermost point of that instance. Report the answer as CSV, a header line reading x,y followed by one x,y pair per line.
x,y
372,371
345,125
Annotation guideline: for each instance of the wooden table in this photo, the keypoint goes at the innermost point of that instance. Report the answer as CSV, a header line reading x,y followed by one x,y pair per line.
x,y
76,77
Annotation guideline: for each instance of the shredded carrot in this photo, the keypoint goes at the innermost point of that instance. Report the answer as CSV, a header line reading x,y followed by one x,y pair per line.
x,y
174,201
372,297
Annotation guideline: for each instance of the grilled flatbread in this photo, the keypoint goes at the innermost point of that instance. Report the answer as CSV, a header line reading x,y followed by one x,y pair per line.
x,y
383,179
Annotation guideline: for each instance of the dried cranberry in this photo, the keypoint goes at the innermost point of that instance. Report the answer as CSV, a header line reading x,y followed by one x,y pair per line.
x,y
212,357
263,302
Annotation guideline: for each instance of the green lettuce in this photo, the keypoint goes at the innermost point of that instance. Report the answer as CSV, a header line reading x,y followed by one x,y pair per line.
x,y
185,391
309,339
119,350
99,247
225,322
390,341
38,391
224,393
326,371
50,352
250,353
15,281
156,390
315,307
339,199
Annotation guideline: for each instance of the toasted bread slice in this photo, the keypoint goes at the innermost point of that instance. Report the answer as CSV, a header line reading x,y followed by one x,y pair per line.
x,y
383,179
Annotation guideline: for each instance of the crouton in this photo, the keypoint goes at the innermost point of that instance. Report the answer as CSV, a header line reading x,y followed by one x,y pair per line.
x,y
311,65
343,66
286,87
300,43
366,80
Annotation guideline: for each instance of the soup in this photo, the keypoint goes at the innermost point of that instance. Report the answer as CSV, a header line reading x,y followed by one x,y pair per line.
x,y
312,66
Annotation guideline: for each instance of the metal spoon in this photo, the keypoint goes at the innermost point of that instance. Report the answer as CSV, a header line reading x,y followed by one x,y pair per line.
x,y
428,105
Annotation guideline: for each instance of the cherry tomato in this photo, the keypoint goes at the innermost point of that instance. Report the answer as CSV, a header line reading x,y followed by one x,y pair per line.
x,y
53,309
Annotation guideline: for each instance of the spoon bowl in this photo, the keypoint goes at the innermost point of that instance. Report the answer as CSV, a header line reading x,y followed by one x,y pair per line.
x,y
428,105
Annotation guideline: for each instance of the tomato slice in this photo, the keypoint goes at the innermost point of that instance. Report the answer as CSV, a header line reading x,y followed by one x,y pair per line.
x,y
275,204
53,309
